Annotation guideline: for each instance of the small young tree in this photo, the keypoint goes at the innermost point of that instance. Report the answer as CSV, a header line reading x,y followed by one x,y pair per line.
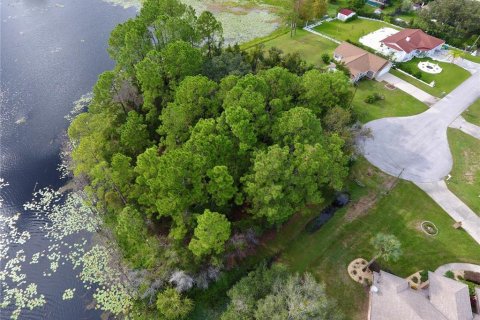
x,y
172,306
386,246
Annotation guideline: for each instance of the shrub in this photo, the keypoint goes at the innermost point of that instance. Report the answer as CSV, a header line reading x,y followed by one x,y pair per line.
x,y
418,74
354,17
372,98
450,274
415,279
172,306
326,58
424,275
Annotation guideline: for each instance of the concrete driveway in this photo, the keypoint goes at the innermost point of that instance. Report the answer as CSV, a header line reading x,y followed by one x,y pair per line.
x,y
417,146
403,85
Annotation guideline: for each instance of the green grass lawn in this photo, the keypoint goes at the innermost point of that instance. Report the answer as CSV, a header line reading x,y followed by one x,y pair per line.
x,y
396,103
447,80
327,252
472,114
310,46
465,181
352,30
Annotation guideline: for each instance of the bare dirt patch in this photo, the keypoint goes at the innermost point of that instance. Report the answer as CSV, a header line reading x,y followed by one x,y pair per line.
x,y
361,207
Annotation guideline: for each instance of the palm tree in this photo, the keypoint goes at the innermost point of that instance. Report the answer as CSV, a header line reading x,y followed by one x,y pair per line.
x,y
386,246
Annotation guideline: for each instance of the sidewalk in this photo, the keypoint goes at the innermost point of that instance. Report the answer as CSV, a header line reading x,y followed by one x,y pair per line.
x,y
466,127
403,85
449,202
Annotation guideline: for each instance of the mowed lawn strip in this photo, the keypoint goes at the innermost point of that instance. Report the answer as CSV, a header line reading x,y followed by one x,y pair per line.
x,y
328,252
447,80
465,180
352,30
396,103
472,114
310,46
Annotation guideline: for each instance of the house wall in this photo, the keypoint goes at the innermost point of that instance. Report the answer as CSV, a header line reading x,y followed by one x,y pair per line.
x,y
383,71
341,17
401,56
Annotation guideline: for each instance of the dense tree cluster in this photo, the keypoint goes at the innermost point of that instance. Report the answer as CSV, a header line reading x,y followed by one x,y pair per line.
x,y
182,134
458,22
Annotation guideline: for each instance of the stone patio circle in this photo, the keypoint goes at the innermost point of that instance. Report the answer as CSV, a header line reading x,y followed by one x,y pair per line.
x,y
429,67
357,274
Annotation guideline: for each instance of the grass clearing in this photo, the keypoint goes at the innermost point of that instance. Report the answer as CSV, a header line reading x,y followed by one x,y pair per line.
x,y
310,46
472,114
396,103
352,30
447,80
465,181
328,252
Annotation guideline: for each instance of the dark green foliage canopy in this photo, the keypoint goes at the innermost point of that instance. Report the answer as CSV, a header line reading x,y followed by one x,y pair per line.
x,y
185,143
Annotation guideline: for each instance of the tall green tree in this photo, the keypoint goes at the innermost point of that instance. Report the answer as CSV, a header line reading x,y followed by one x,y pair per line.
x,y
221,185
134,136
195,98
323,91
210,32
210,235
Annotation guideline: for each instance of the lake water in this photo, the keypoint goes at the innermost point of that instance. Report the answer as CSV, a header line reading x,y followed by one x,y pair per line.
x,y
51,55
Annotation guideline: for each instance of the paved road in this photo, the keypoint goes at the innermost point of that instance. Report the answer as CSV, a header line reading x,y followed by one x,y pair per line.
x,y
457,266
459,123
403,85
458,210
417,146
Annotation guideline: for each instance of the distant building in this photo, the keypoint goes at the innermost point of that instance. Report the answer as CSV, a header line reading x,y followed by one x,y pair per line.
x,y
377,3
409,43
391,298
361,63
345,14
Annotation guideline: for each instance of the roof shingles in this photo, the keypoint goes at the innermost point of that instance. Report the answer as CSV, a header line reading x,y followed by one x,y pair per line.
x,y
412,39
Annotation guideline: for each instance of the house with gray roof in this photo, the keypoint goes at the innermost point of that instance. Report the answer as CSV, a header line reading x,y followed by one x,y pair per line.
x,y
391,298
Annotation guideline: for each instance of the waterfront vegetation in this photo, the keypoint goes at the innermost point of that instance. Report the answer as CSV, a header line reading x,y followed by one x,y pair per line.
x,y
465,180
193,152
205,165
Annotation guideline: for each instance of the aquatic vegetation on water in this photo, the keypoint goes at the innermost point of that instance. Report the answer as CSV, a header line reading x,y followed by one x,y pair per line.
x,y
68,294
239,24
65,215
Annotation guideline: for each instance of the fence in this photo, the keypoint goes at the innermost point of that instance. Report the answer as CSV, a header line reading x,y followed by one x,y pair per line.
x,y
431,85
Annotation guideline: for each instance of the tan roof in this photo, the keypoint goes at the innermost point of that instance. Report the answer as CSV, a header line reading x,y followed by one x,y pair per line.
x,y
412,39
444,299
358,60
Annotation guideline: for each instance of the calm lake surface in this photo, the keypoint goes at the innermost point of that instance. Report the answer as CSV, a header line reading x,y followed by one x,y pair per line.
x,y
51,55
